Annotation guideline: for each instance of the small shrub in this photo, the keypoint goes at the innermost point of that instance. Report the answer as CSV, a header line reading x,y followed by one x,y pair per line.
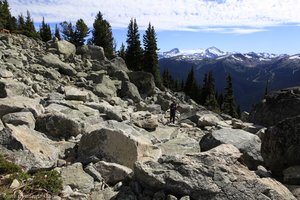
x,y
48,180
7,167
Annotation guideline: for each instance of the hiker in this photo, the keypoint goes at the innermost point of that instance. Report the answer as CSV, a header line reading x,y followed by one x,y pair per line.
x,y
172,112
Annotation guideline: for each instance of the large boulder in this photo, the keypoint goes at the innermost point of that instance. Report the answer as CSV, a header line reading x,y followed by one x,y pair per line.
x,y
20,103
180,146
112,173
130,91
145,120
75,177
106,88
20,118
215,174
144,81
28,148
120,64
248,143
91,52
50,60
277,106
10,88
64,47
73,93
281,145
115,145
59,125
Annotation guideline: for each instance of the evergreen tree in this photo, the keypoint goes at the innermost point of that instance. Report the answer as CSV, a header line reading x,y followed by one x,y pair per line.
x,y
21,23
191,87
229,106
166,78
102,35
266,88
75,35
28,28
80,33
68,32
57,33
220,100
150,55
45,31
210,93
134,52
121,52
6,20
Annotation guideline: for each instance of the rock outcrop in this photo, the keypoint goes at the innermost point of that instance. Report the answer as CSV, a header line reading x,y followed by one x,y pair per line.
x,y
281,145
277,106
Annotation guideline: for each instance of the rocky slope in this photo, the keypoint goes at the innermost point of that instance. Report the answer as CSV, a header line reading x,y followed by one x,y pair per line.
x,y
105,130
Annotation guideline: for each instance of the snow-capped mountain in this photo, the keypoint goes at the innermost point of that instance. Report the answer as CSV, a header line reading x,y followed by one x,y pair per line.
x,y
215,53
195,54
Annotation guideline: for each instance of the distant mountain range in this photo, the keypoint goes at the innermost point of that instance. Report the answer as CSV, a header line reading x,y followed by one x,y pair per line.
x,y
250,71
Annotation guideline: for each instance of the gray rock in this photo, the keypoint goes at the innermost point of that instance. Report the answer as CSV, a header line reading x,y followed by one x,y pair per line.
x,y
5,73
19,103
180,146
64,47
120,64
91,52
249,144
277,106
20,118
144,81
262,172
281,145
53,61
130,91
106,194
119,75
112,173
113,114
28,148
144,120
73,93
10,88
106,88
45,71
115,146
75,177
171,197
91,170
185,198
215,175
58,125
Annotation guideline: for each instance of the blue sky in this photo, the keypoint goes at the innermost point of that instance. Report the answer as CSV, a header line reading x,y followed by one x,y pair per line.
x,y
231,25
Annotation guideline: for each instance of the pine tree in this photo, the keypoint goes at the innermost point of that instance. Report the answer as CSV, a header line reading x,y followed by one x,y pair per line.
x,y
75,35
121,52
57,32
45,31
80,33
229,106
6,20
28,28
68,32
210,93
191,87
21,23
266,89
150,55
134,52
166,78
102,35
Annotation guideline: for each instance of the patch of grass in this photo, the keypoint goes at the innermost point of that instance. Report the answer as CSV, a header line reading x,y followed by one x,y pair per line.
x,y
7,167
48,180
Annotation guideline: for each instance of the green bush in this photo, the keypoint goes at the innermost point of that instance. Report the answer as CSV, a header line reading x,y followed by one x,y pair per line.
x,y
48,180
7,167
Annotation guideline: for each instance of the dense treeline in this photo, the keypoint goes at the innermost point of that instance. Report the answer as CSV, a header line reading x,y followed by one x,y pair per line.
x,y
136,57
206,94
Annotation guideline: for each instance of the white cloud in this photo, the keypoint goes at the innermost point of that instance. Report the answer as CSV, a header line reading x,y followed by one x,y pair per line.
x,y
188,15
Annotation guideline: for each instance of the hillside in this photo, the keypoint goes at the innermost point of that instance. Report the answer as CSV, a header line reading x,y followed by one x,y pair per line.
x,y
250,72
105,131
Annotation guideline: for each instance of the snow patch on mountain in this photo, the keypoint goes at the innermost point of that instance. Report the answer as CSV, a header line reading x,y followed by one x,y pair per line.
x,y
295,57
